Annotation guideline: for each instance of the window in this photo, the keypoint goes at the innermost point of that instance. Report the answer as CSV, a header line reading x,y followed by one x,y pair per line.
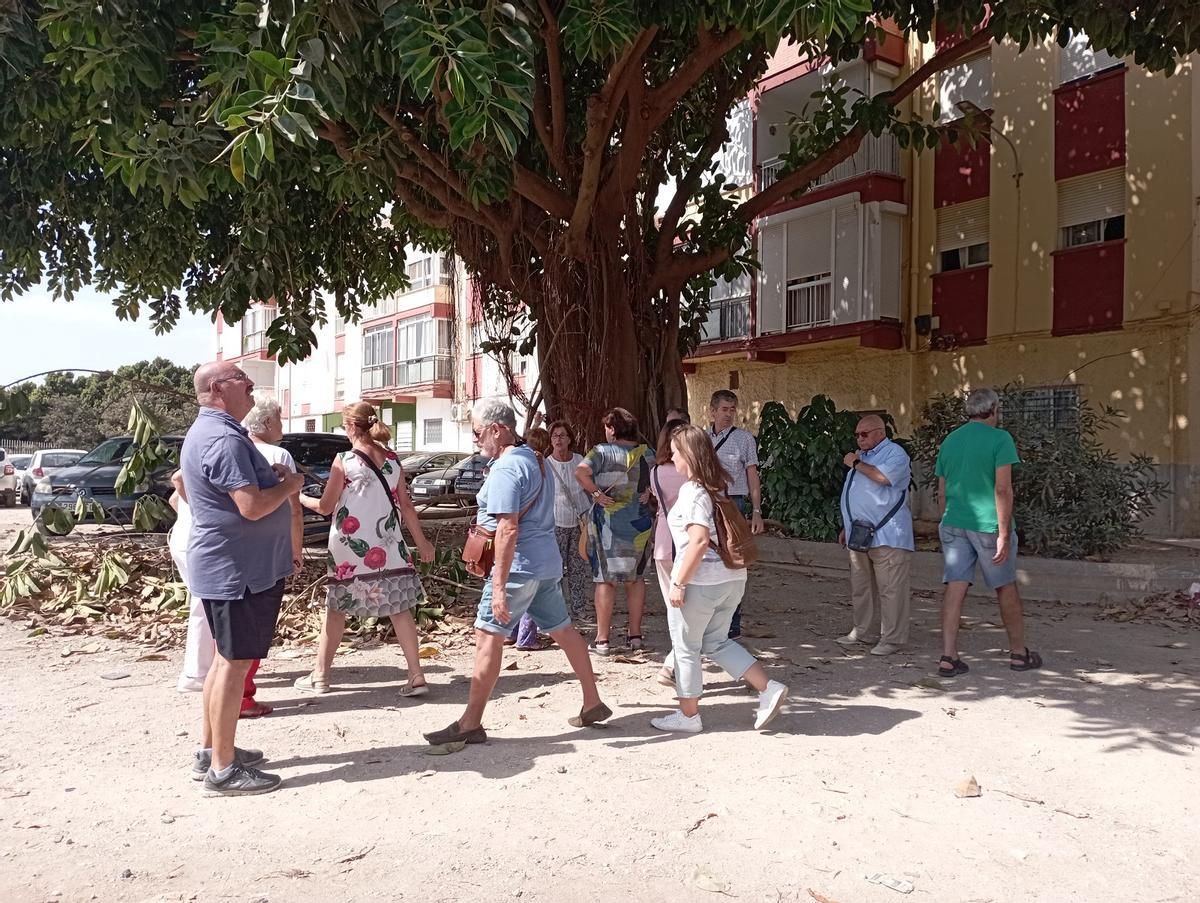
x,y
427,271
310,426
379,356
254,328
970,81
433,432
1079,60
809,301
962,235
423,350
339,379
339,324
728,309
1053,406
1091,208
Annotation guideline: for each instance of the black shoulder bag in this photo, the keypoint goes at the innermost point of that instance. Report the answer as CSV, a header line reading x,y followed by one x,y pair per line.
x,y
862,533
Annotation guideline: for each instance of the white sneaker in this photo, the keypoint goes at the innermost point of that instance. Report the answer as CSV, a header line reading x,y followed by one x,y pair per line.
x,y
885,649
190,685
770,701
678,723
853,639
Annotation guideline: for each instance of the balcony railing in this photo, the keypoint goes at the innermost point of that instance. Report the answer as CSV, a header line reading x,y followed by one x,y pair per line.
x,y
728,318
425,370
809,303
255,341
880,154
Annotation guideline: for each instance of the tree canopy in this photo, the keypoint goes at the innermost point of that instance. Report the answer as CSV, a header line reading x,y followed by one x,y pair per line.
x,y
216,153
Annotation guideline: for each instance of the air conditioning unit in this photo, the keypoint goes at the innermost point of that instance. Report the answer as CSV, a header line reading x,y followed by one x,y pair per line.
x,y
460,412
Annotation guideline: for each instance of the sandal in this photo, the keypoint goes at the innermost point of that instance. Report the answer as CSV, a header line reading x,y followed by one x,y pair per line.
x,y
600,647
410,689
957,667
257,710
310,683
1029,661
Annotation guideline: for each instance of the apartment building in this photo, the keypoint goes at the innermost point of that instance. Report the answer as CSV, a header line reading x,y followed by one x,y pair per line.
x,y
1061,253
416,356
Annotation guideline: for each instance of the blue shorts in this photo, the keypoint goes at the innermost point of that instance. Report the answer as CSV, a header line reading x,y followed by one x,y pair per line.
x,y
541,599
963,549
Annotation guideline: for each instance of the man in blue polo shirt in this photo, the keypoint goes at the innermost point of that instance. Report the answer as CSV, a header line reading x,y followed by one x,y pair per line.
x,y
874,494
239,553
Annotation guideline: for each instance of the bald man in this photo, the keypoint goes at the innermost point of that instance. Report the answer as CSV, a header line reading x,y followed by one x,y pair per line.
x,y
239,553
877,530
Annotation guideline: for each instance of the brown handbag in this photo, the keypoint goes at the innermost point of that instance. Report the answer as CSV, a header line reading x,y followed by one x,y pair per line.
x,y
479,551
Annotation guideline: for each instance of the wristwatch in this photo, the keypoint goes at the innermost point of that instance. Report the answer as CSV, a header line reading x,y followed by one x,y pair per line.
x,y
595,493
678,585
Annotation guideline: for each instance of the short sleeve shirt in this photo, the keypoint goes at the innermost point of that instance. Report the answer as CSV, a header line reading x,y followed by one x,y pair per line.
x,y
865,500
694,505
737,452
227,554
512,483
967,461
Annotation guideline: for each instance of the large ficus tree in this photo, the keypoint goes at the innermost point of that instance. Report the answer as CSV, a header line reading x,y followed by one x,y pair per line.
x,y
212,153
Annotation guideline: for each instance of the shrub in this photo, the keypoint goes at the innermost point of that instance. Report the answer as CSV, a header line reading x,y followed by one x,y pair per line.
x,y
803,474
1073,498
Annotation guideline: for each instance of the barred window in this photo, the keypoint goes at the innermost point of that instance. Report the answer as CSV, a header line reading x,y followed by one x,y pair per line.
x,y
1054,406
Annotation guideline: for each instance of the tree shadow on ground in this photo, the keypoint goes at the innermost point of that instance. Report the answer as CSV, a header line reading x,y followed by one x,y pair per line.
x,y
1133,685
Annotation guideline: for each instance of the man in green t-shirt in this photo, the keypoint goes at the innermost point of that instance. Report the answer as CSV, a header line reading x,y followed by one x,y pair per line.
x,y
974,471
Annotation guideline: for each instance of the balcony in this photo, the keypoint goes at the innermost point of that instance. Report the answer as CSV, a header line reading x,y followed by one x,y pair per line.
x,y
880,154
960,302
425,370
728,318
1089,287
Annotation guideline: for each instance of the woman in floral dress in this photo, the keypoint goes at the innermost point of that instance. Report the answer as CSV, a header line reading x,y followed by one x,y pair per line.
x,y
371,571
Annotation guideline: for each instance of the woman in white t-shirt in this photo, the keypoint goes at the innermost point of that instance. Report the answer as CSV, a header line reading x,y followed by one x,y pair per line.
x,y
704,592
570,503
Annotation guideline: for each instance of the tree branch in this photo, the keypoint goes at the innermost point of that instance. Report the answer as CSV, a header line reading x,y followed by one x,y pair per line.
x,y
661,101
435,164
534,188
558,101
601,113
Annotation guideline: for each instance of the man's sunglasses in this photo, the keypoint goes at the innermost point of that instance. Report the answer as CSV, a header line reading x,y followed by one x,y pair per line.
x,y
863,435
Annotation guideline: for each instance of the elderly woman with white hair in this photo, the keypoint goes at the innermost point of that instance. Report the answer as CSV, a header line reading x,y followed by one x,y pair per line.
x,y
264,423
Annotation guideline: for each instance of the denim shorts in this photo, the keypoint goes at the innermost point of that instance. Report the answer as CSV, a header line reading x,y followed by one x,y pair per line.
x,y
541,599
963,549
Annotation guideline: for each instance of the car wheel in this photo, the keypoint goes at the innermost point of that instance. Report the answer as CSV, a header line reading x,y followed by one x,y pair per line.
x,y
10,498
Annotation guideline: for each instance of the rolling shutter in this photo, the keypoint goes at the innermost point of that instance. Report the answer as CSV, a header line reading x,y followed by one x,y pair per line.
x,y
809,246
962,225
1094,196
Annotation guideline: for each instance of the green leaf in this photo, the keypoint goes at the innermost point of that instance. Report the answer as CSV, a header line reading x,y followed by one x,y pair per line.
x,y
269,63
313,51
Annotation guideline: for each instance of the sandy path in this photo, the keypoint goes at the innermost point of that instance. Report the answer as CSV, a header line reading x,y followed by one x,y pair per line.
x,y
95,802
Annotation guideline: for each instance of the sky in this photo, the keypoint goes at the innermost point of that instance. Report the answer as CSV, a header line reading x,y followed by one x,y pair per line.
x,y
38,333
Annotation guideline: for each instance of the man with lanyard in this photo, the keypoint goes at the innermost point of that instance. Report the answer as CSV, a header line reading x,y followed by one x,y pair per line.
x,y
738,453
526,577
874,494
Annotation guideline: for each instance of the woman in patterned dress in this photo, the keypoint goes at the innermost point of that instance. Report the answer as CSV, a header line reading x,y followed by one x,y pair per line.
x,y
616,474
371,571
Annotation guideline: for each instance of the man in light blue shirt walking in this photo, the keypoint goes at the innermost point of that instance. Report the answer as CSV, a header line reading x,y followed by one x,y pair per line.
x,y
874,497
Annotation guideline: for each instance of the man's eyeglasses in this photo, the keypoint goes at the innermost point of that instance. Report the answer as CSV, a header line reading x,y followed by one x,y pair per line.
x,y
238,377
865,433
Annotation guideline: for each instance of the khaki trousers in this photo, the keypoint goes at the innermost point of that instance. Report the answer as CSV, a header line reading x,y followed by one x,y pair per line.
x,y
879,587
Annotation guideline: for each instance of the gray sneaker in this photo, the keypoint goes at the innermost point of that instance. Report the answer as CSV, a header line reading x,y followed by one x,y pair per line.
x,y
241,781
202,761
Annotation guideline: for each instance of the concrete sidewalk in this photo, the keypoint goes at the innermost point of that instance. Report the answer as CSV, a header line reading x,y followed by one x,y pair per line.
x,y
1043,579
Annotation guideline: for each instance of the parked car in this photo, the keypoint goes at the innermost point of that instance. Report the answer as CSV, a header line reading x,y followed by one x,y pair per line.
x,y
434,484
470,475
43,464
8,481
314,454
417,463
20,465
94,476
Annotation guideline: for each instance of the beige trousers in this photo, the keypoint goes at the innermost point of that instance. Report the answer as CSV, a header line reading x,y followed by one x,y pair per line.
x,y
879,587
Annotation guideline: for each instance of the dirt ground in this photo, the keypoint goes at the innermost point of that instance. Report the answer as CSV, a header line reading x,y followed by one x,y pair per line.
x,y
1088,772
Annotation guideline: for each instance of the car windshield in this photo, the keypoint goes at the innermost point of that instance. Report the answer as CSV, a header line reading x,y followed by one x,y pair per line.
x,y
108,452
62,459
315,452
20,462
413,461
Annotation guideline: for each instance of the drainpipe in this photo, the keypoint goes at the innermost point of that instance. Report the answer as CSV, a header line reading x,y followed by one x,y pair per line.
x,y
914,240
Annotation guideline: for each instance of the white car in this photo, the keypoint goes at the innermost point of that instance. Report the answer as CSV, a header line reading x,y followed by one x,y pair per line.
x,y
45,463
8,480
20,465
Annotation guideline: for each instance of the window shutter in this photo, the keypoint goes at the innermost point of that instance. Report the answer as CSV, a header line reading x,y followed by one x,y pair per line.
x,y
1094,196
961,225
809,246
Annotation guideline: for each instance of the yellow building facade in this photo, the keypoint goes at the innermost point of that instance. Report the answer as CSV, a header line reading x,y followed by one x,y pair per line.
x,y
1061,254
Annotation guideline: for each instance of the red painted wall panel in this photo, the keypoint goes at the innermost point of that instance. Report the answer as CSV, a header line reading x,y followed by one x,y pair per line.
x,y
1089,288
961,172
960,302
1089,125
